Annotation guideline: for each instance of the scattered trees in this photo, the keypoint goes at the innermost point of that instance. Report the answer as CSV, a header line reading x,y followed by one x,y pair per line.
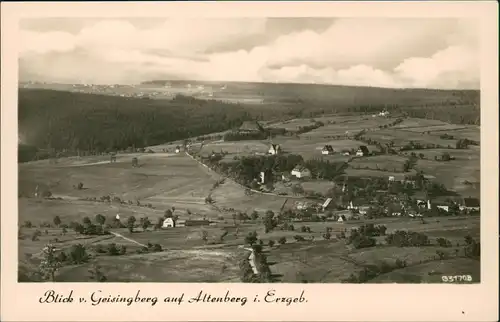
x,y
57,221
100,219
251,238
131,224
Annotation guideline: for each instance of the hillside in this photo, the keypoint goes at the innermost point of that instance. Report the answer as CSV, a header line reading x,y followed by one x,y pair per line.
x,y
94,122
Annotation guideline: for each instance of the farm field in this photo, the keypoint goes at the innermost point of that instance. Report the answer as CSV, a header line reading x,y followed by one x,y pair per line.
x,y
293,125
235,148
454,174
401,138
411,122
470,132
392,163
188,266
368,173
322,186
161,179
347,128
332,261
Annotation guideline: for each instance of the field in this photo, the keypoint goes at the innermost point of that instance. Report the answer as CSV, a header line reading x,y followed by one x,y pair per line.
x,y
332,261
292,125
401,138
380,162
347,128
162,180
237,147
454,174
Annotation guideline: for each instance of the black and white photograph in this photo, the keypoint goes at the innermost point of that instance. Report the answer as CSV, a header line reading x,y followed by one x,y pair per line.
x,y
257,161
249,150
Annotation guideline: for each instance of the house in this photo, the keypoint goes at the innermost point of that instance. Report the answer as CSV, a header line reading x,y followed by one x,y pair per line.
x,y
342,218
301,172
362,151
424,204
326,204
251,127
327,149
395,209
346,152
302,205
392,178
274,149
471,204
363,209
265,176
177,149
168,223
350,205
443,208
252,261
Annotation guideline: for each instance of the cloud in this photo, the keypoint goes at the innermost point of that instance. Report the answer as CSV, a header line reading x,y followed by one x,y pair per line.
x,y
439,53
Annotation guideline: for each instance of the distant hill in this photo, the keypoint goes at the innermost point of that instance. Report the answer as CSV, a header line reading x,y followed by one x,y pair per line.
x,y
335,94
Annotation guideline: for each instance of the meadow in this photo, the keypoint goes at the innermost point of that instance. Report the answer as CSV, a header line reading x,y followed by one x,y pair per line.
x,y
401,138
393,163
348,128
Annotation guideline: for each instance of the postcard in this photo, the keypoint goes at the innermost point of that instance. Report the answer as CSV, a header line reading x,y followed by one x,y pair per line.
x,y
250,161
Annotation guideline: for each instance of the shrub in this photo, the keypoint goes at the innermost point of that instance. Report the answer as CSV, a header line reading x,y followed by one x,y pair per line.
x,y
251,238
113,250
271,243
78,254
282,240
443,242
299,238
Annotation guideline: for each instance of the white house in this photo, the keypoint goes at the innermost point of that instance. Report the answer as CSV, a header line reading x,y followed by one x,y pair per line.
x,y
342,218
327,149
391,178
471,204
302,205
251,261
445,208
274,149
301,172
326,204
168,223
177,149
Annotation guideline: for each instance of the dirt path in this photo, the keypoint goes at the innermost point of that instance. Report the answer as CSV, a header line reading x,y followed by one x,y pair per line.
x,y
128,239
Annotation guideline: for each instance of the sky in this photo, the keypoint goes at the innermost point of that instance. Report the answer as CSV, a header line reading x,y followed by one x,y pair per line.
x,y
378,52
